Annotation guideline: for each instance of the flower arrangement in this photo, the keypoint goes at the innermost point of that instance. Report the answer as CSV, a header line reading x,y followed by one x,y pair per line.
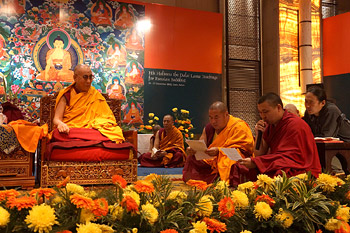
x,y
301,203
152,121
183,122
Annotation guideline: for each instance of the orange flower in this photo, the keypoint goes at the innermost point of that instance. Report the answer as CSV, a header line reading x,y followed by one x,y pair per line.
x,y
214,225
8,194
226,207
64,182
186,135
142,126
100,207
169,231
81,201
116,179
21,203
148,127
265,198
130,204
256,186
143,186
47,192
319,231
202,185
344,228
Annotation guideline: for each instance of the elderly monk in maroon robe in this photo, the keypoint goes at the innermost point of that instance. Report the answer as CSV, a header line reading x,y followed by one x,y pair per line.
x,y
168,148
224,131
287,144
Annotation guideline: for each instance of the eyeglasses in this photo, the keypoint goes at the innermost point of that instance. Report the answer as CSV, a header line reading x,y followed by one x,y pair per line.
x,y
86,77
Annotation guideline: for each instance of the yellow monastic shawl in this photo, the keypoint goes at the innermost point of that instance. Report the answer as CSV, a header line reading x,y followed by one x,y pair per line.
x,y
172,140
28,134
237,135
90,110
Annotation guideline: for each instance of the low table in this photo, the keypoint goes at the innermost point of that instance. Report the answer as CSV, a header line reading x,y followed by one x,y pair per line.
x,y
328,149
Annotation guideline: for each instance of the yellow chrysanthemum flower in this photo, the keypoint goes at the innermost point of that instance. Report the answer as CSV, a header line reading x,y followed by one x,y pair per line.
x,y
178,196
88,228
327,182
86,216
240,199
41,218
74,188
134,230
264,181
150,115
262,210
116,212
4,217
343,213
150,213
285,218
174,109
199,227
133,195
302,177
156,118
332,224
221,185
246,187
90,194
151,177
245,231
150,121
183,111
205,206
192,135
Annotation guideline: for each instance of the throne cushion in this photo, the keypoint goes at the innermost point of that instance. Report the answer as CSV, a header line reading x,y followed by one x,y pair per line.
x,y
85,145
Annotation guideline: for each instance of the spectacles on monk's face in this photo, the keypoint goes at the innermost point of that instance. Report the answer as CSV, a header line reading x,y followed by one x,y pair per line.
x,y
86,77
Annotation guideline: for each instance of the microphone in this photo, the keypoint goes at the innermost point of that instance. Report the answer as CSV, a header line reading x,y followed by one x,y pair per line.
x,y
258,140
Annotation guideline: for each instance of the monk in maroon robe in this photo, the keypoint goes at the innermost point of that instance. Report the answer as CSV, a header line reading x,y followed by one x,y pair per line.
x,y
287,144
168,150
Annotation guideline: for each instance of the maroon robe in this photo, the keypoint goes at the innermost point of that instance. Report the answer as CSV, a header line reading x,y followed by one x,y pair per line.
x,y
177,160
292,148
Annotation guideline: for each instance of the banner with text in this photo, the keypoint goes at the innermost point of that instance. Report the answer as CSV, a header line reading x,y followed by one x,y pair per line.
x,y
192,91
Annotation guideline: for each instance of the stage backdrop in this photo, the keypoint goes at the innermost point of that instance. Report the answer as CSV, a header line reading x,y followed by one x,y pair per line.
x,y
336,61
41,42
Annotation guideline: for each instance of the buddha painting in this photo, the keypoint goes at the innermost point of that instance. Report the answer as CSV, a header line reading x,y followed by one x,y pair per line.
x,y
101,13
133,116
124,19
3,54
116,91
133,75
58,63
116,56
133,41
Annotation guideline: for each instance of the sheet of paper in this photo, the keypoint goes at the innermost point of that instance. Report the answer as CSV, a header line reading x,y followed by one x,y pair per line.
x,y
231,153
200,147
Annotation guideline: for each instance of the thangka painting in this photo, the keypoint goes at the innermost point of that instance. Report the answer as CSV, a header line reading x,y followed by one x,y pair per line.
x,y
41,42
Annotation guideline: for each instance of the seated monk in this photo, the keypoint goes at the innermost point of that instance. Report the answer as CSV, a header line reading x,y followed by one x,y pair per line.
x,y
168,150
81,106
287,143
223,131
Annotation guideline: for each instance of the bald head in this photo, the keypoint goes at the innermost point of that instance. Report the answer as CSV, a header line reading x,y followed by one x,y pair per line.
x,y
219,106
82,77
292,109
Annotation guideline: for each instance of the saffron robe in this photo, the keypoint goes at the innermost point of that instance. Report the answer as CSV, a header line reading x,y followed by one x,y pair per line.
x,y
237,135
90,110
171,142
292,148
28,134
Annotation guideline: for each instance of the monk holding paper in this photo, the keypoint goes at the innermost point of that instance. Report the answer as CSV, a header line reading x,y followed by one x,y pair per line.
x,y
287,143
223,131
168,150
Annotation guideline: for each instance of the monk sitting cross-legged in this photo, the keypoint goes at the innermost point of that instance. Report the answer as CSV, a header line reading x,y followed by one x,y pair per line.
x,y
223,131
168,150
80,108
287,143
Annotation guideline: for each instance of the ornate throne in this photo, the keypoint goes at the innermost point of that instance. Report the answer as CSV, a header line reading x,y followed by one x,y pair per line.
x,y
53,171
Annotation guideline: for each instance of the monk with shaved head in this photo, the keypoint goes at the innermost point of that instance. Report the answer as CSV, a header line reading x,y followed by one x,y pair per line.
x,y
81,106
223,131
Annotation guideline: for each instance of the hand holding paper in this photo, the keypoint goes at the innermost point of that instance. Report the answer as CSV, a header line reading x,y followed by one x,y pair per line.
x,y
200,148
231,153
